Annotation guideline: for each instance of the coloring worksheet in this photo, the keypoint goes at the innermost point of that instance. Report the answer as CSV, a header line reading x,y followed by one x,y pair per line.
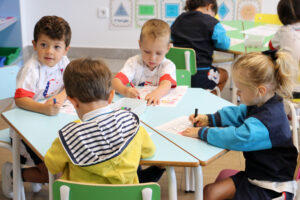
x,y
176,126
234,41
228,28
68,108
170,100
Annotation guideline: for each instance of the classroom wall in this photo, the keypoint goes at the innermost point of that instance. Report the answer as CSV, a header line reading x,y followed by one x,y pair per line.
x,y
88,30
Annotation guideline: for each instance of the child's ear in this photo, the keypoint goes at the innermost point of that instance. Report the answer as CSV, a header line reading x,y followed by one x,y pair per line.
x,y
73,101
34,44
67,49
111,96
262,90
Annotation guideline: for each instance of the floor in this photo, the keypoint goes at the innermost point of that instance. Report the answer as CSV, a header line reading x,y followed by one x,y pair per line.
x,y
231,160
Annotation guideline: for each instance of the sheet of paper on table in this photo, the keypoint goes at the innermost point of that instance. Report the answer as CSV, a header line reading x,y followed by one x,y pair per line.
x,y
263,30
169,100
228,28
176,126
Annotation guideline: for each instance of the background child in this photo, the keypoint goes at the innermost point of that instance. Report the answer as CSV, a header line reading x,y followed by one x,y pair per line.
x,y
288,36
151,67
198,29
259,127
114,142
41,78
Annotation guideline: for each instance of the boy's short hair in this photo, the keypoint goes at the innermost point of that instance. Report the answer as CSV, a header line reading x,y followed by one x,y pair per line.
x,y
191,5
155,28
88,80
289,11
54,27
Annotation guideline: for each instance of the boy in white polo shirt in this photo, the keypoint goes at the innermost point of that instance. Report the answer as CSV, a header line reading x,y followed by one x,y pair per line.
x,y
151,67
40,78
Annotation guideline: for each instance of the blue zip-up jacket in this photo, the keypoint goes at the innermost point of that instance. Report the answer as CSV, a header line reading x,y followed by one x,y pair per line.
x,y
263,133
201,32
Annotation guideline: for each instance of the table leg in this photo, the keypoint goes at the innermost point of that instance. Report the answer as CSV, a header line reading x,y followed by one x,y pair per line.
x,y
17,179
172,183
187,179
51,180
198,182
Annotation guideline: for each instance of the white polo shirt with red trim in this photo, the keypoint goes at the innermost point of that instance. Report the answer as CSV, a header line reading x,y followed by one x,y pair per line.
x,y
137,72
39,81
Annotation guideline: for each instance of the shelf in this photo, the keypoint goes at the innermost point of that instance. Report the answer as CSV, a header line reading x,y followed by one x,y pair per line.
x,y
4,23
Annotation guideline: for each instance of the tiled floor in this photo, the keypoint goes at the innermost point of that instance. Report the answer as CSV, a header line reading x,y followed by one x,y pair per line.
x,y
232,160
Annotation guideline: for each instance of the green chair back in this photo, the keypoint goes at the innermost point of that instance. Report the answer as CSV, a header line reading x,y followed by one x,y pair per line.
x,y
183,77
180,58
79,191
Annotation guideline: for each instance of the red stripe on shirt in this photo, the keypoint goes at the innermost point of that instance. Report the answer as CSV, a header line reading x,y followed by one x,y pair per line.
x,y
122,77
271,46
23,93
168,78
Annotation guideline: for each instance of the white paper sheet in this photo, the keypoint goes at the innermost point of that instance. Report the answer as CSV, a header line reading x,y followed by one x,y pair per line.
x,y
234,41
264,30
68,108
177,125
228,28
169,100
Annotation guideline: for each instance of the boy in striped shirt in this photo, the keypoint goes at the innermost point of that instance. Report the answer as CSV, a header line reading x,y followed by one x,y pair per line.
x,y
106,145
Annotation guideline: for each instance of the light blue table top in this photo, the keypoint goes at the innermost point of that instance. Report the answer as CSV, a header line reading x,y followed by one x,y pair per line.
x,y
39,131
194,98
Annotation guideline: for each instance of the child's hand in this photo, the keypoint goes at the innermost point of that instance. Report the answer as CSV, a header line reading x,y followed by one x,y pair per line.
x,y
190,132
200,120
153,98
51,108
132,92
60,98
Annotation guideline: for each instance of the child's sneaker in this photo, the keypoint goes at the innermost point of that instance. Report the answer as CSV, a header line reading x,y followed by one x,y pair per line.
x,y
7,180
36,187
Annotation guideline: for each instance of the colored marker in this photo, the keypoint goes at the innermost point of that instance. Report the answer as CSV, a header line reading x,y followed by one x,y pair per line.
x,y
131,84
196,114
54,100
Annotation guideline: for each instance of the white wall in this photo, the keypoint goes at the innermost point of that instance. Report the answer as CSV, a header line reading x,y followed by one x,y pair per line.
x,y
87,29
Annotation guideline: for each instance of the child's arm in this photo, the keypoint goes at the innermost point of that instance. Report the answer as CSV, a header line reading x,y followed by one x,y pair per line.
x,y
219,37
56,158
47,108
123,90
155,96
252,135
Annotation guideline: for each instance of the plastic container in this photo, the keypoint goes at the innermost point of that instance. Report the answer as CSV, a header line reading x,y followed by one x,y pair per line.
x,y
11,54
134,105
256,41
2,60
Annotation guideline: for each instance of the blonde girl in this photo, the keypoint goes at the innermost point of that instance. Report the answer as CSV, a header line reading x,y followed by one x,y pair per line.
x,y
258,127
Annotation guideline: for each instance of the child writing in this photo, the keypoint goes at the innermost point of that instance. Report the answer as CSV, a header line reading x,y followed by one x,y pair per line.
x,y
198,29
288,36
151,67
259,128
41,78
111,143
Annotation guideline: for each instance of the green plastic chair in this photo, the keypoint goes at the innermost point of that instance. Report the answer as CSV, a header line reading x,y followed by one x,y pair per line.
x,y
68,190
183,58
183,77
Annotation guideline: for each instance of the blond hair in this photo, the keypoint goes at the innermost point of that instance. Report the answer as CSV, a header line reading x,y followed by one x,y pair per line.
x,y
279,75
155,28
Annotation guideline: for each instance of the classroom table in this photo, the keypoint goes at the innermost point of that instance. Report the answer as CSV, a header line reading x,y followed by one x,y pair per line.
x,y
39,131
206,103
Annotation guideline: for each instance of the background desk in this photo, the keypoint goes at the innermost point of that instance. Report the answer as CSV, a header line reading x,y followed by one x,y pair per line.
x,y
240,26
39,131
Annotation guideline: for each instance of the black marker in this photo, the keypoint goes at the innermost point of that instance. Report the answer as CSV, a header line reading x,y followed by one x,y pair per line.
x,y
196,113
